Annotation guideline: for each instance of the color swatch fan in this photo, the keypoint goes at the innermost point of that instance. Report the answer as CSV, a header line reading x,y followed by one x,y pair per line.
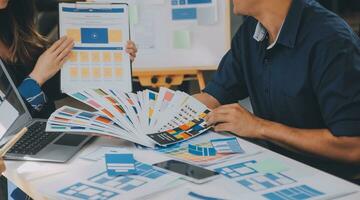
x,y
147,118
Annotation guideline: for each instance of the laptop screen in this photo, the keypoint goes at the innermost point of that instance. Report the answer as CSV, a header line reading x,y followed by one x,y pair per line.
x,y
13,114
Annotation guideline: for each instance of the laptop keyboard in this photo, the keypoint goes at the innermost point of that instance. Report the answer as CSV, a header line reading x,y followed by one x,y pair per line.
x,y
34,140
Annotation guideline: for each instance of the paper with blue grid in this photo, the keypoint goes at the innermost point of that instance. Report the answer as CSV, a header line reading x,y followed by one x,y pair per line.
x,y
95,183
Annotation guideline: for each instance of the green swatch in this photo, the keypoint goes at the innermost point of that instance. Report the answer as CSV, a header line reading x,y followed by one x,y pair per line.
x,y
269,166
181,39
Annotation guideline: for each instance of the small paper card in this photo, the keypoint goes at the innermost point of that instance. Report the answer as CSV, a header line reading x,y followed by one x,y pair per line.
x,y
227,145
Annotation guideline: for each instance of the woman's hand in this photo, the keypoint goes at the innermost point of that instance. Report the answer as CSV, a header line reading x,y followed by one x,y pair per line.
x,y
51,61
131,50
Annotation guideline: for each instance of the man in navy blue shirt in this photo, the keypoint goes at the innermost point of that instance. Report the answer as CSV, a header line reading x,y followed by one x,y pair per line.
x,y
300,65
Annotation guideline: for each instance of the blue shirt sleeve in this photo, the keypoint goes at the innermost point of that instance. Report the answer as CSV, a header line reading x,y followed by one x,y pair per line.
x,y
336,82
31,91
228,84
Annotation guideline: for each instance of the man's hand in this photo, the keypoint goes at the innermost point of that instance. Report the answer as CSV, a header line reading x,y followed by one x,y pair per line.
x,y
235,119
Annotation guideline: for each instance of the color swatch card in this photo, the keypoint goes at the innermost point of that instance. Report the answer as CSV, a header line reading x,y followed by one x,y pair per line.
x,y
98,59
120,164
227,145
147,118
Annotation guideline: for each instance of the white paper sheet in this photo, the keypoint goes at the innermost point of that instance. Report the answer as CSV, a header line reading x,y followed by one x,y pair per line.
x,y
98,59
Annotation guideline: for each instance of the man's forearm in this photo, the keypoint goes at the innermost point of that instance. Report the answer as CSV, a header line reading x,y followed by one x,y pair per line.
x,y
313,141
207,100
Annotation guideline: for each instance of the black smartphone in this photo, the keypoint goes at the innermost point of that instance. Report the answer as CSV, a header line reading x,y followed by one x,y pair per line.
x,y
189,172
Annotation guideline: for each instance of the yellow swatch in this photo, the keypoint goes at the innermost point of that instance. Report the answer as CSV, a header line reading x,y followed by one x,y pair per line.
x,y
74,34
96,72
85,72
84,56
107,56
115,36
107,72
73,56
74,72
118,72
118,57
95,56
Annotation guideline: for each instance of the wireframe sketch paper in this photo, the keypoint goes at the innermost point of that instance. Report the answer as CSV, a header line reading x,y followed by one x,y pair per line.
x,y
98,59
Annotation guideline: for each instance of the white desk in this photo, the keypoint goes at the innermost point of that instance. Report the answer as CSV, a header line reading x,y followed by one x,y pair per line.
x,y
33,177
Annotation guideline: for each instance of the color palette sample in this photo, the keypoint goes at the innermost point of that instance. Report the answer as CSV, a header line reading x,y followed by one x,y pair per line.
x,y
146,117
184,132
301,192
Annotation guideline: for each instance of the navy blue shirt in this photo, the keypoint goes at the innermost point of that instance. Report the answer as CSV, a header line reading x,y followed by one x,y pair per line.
x,y
310,79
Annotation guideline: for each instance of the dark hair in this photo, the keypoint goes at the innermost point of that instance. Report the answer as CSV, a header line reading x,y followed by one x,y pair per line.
x,y
18,32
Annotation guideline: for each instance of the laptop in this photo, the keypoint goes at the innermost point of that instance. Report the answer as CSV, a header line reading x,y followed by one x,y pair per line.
x,y
36,144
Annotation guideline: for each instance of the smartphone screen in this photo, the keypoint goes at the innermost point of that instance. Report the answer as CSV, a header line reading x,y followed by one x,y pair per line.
x,y
186,169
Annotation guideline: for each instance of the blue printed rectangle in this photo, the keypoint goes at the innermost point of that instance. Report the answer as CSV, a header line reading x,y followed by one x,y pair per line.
x,y
266,181
92,10
120,164
94,35
184,14
302,192
201,151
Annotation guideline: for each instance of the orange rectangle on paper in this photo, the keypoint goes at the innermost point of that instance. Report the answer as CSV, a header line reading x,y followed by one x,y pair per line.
x,y
115,36
107,113
184,135
73,56
103,120
96,72
84,56
85,72
74,72
108,72
118,72
74,34
184,127
95,56
117,57
151,112
106,56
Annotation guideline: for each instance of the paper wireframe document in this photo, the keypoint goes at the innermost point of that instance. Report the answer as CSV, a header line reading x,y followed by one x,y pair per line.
x,y
98,59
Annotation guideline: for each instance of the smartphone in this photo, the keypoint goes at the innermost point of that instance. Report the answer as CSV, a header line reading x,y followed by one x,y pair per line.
x,y
189,172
